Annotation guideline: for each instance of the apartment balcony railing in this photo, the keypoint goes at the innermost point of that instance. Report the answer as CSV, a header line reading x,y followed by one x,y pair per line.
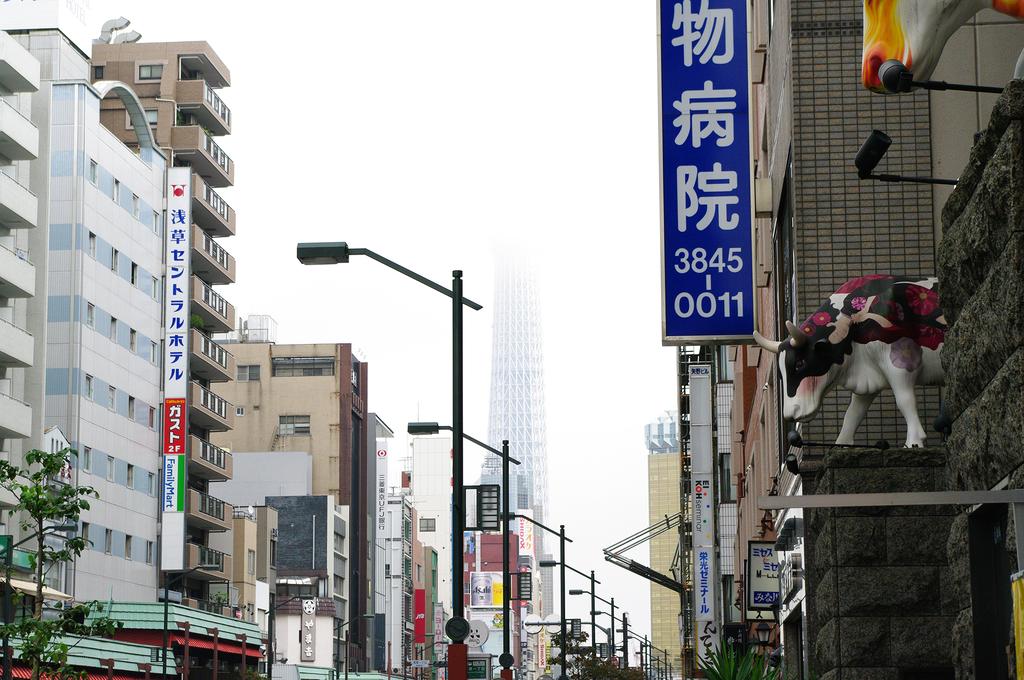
x,y
16,345
17,274
218,314
209,462
195,148
200,554
210,211
209,360
15,415
209,411
18,205
210,261
19,138
195,98
207,512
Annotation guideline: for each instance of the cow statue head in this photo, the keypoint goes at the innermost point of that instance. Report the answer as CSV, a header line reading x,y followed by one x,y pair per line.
x,y
876,331
808,367
915,32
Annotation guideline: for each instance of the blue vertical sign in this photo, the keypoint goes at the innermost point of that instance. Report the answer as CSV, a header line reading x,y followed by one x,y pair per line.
x,y
706,158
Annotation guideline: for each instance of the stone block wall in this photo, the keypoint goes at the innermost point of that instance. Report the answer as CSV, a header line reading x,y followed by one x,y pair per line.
x,y
981,277
879,586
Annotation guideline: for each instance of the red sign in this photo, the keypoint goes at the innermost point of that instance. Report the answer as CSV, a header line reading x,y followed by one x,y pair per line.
x,y
420,624
175,427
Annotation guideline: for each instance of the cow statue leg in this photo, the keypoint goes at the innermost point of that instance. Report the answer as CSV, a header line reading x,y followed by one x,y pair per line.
x,y
906,401
858,408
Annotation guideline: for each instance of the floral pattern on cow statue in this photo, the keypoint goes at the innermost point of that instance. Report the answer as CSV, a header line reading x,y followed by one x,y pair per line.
x,y
874,332
916,31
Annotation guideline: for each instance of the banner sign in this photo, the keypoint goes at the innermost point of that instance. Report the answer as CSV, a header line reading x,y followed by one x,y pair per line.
x,y
382,486
308,631
420,616
177,274
704,596
525,532
703,506
762,585
706,179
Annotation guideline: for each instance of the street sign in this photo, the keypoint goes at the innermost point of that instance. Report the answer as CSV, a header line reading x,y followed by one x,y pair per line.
x,y
484,502
577,628
478,667
706,178
524,585
420,663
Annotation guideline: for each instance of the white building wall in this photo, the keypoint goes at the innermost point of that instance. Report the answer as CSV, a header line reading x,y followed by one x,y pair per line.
x,y
432,496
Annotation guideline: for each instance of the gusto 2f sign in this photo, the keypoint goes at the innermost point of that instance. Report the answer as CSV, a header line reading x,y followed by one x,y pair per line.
x,y
706,178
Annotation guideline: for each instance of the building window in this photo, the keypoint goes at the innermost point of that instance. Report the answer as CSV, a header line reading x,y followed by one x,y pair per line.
x,y
92,245
112,330
291,425
156,288
89,394
87,458
112,396
428,524
133,340
153,352
94,172
151,71
149,552
90,315
273,553
250,562
285,367
136,213
97,73
127,547
150,479
239,411
339,585
108,540
131,416
248,372
152,116
113,259
117,191
135,274
355,376
85,533
156,221
152,418
110,468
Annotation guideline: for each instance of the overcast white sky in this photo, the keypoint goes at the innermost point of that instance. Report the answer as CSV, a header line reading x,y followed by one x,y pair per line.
x,y
440,134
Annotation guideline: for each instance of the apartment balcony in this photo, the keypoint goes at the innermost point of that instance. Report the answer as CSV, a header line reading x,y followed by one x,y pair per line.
x,y
18,205
200,554
209,411
208,360
209,260
209,210
206,461
19,70
198,99
19,138
192,145
15,415
206,512
16,346
17,274
218,314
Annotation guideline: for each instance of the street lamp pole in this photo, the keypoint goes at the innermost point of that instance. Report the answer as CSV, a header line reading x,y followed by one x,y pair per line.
x,y
339,252
593,619
506,659
561,558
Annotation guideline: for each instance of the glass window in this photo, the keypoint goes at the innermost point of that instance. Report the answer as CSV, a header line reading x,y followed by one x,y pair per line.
x,y
92,245
248,372
113,259
112,396
135,274
156,288
127,547
151,71
284,367
273,553
112,331
251,562
133,340
108,540
131,415
117,191
97,73
428,524
87,458
135,208
88,387
150,478
90,315
153,351
149,552
156,221
152,116
85,533
239,411
94,172
292,425
110,468
152,418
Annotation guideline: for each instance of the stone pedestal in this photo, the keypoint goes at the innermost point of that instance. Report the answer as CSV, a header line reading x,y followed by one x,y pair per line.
x,y
878,581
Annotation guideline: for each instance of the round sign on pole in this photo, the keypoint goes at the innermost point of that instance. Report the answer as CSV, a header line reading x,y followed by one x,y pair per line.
x,y
478,634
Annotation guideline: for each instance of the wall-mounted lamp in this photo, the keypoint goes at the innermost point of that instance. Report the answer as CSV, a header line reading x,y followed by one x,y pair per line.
x,y
897,78
872,151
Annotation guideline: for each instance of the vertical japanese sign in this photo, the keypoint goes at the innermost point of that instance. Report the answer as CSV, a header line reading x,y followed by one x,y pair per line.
x,y
762,585
382,486
308,630
702,500
706,180
177,246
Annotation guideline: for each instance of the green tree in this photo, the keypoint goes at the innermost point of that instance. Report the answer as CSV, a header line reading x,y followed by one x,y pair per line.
x,y
43,502
584,666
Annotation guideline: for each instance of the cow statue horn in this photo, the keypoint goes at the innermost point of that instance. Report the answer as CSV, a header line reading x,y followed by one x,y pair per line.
x,y
798,336
770,345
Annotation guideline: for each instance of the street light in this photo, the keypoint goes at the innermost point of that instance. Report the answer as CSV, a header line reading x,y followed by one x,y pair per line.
x,y
593,606
506,659
167,582
548,563
8,560
338,253
337,631
763,631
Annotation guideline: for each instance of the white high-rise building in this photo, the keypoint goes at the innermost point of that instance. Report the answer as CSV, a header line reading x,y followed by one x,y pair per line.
x,y
432,496
517,402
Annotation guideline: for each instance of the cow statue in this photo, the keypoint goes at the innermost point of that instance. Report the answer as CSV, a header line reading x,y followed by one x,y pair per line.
x,y
875,331
915,32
